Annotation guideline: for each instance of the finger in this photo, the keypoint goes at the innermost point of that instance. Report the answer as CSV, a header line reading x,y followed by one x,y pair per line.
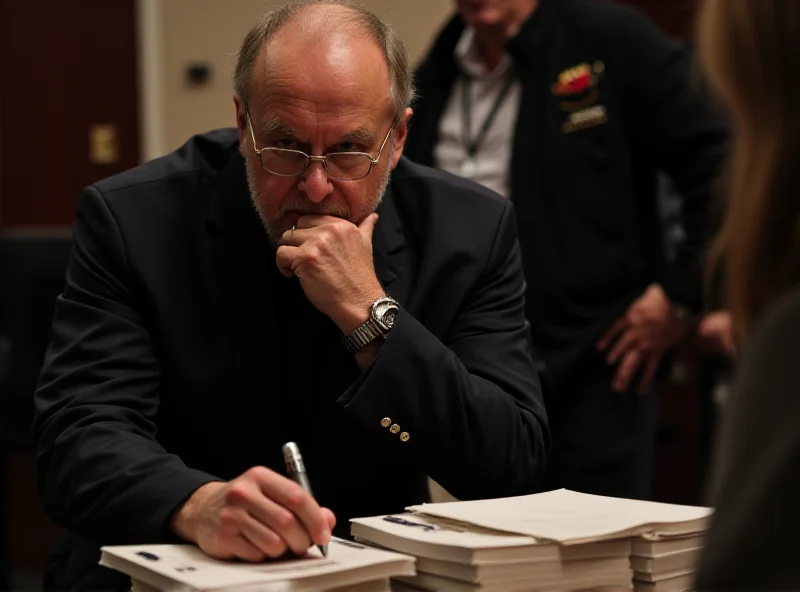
x,y
622,345
262,537
298,501
649,374
627,368
611,333
282,522
287,258
247,494
295,237
314,220
367,226
330,517
245,550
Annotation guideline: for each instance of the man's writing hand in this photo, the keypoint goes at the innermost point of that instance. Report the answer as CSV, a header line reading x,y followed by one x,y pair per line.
x,y
640,337
259,514
332,258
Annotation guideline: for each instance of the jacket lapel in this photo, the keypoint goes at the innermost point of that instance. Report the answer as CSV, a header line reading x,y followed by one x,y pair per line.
x,y
237,239
391,256
249,296
241,285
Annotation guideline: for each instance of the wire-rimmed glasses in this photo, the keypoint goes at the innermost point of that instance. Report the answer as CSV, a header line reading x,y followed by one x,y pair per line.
x,y
343,166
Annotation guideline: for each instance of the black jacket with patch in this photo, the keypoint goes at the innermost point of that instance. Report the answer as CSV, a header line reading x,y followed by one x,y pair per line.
x,y
585,158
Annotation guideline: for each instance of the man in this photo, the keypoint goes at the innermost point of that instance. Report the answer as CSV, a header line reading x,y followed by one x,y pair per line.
x,y
569,108
196,333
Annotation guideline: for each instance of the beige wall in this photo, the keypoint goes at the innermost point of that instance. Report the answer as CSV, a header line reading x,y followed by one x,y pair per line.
x,y
210,31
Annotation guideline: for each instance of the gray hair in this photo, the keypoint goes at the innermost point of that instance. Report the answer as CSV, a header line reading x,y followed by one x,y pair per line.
x,y
401,86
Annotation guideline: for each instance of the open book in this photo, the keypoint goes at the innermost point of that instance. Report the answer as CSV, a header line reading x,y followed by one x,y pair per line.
x,y
185,568
569,517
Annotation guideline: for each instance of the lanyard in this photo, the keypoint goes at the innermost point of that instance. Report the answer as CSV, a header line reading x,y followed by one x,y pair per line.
x,y
473,145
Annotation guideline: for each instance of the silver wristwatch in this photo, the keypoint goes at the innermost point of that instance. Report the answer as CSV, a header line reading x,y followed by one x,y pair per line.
x,y
381,318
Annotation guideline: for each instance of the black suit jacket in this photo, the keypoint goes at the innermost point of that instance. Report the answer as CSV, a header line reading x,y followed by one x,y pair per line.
x,y
586,199
180,355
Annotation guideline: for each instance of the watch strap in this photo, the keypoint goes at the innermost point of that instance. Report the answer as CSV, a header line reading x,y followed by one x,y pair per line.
x,y
362,336
371,329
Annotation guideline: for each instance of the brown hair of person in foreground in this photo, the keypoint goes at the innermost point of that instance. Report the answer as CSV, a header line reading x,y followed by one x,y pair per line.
x,y
749,49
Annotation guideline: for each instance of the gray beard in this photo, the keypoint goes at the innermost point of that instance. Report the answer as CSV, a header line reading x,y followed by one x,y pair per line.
x,y
305,206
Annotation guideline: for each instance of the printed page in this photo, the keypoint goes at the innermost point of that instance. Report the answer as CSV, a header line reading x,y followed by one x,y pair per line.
x,y
189,566
569,517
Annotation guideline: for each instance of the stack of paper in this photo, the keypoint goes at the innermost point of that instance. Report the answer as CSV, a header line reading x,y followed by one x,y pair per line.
x,y
555,541
375,586
458,556
185,568
664,563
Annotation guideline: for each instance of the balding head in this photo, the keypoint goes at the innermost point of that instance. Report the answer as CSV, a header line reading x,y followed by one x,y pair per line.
x,y
323,59
320,78
332,29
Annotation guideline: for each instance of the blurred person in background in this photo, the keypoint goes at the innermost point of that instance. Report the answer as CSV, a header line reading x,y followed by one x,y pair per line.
x,y
750,50
570,108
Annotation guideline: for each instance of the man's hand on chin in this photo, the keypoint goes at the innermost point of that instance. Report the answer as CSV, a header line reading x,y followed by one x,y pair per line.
x,y
332,258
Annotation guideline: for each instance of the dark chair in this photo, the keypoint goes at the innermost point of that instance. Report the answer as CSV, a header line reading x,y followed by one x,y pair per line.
x,y
32,268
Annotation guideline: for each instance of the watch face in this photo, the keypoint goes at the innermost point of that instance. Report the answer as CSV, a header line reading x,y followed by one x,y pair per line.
x,y
384,313
388,318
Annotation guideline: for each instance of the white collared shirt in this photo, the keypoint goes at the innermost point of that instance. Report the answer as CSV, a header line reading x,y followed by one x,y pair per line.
x,y
492,162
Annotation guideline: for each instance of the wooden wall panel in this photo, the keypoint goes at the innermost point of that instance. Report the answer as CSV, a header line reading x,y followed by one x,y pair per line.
x,y
65,66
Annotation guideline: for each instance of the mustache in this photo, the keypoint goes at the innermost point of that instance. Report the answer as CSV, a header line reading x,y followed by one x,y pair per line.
x,y
305,207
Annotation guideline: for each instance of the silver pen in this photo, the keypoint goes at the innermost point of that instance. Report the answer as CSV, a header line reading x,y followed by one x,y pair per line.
x,y
297,473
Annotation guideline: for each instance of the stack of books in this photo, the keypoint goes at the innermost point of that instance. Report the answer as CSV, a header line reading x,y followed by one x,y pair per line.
x,y
554,541
665,563
185,568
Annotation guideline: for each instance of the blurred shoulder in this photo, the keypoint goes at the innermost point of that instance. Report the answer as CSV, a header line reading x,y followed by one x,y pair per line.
x,y
425,189
776,338
604,17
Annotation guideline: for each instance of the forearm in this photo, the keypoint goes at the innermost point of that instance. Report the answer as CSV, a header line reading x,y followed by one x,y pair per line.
x,y
101,472
108,484
478,437
678,130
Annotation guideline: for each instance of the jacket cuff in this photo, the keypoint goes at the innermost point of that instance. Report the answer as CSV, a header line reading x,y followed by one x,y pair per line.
x,y
176,491
370,400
